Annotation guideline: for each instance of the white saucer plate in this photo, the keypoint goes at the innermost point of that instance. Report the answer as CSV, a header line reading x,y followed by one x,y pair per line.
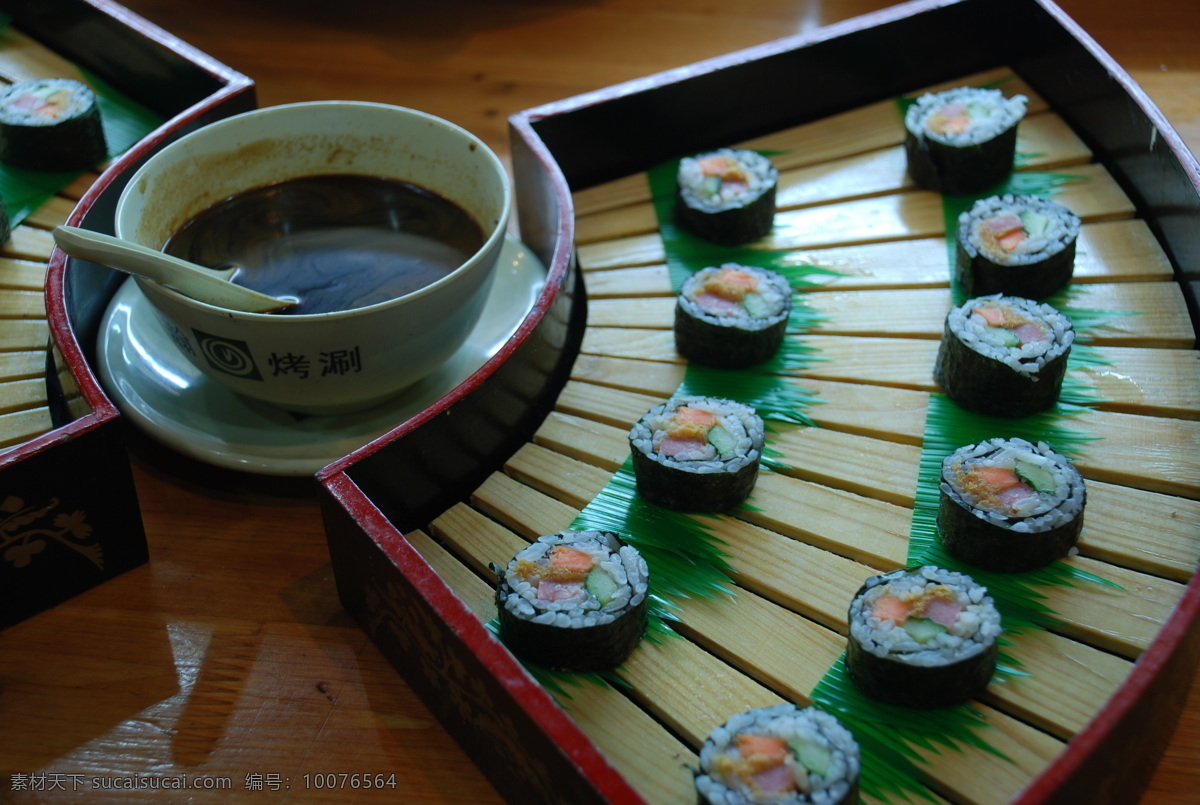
x,y
161,392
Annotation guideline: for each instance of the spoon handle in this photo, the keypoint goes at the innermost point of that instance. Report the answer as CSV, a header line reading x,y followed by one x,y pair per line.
x,y
202,284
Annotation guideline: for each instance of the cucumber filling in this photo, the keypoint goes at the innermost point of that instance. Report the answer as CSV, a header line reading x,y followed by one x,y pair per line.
x,y
814,757
722,440
923,630
1040,478
600,585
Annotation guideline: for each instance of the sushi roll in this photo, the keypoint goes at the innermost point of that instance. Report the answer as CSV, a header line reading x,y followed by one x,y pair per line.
x,y
726,196
697,453
733,316
784,755
1003,355
962,140
574,601
1009,505
50,124
1015,245
922,637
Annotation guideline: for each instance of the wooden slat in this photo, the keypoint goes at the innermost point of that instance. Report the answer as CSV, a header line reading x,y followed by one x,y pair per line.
x,y
18,395
1153,453
23,335
855,131
901,216
643,376
1108,251
1160,382
557,475
890,414
1049,659
628,342
792,662
24,59
1147,531
21,426
27,365
520,508
28,243
51,214
874,173
1155,382
22,305
1121,619
80,185
1133,528
478,596
1161,319
885,471
867,531
21,275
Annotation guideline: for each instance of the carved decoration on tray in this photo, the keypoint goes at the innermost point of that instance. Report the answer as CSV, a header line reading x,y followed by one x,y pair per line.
x,y
24,532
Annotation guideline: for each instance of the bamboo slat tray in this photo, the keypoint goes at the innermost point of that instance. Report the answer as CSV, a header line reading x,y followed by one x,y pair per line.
x,y
61,446
1101,678
814,533
24,331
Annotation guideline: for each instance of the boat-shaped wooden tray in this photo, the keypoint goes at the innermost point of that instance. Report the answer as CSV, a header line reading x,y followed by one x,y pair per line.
x,y
62,452
415,519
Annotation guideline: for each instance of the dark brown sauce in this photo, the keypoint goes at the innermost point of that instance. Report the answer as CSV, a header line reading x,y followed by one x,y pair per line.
x,y
334,242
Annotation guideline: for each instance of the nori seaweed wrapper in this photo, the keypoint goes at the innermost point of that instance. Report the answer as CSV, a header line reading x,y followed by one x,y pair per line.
x,y
579,647
726,196
1003,539
736,339
73,141
681,490
985,385
725,347
894,682
590,648
959,170
811,726
850,797
979,276
994,547
710,479
732,226
1035,267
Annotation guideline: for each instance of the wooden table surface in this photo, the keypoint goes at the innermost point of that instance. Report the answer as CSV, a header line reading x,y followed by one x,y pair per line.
x,y
228,655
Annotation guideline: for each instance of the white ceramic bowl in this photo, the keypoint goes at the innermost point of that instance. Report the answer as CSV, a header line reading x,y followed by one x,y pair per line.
x,y
324,362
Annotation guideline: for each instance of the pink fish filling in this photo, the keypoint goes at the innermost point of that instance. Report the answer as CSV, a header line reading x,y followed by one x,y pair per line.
x,y
1029,333
775,779
717,304
943,612
558,590
1013,495
670,446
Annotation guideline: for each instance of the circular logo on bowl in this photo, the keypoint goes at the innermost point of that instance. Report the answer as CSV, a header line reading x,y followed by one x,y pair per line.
x,y
227,355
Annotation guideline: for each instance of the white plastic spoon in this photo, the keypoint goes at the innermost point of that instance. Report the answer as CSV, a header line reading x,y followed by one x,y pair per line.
x,y
202,284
